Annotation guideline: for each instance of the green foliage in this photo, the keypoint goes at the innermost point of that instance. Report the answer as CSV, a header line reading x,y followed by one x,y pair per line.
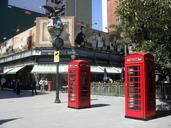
x,y
147,25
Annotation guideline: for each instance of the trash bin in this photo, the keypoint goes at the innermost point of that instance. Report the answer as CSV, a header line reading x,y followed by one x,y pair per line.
x,y
49,85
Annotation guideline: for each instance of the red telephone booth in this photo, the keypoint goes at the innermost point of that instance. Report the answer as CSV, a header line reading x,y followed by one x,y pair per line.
x,y
79,84
140,101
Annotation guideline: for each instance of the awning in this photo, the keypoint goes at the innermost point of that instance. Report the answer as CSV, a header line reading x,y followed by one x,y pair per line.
x,y
100,69
49,69
111,69
15,70
63,68
96,69
7,70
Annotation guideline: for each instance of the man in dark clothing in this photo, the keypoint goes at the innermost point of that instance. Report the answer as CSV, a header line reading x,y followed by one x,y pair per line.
x,y
34,90
18,86
80,38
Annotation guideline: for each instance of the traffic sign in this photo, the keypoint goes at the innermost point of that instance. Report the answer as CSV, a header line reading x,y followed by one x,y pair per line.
x,y
56,56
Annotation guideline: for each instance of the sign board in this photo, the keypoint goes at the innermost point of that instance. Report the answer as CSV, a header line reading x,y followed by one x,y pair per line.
x,y
56,56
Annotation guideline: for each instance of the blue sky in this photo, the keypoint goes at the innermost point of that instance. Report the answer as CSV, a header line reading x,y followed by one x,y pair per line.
x,y
33,5
97,14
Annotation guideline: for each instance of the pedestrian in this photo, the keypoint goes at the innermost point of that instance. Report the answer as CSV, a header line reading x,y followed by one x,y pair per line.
x,y
105,76
3,81
18,86
46,84
13,84
34,89
42,84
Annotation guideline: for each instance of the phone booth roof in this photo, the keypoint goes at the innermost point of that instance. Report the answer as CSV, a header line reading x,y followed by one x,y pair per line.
x,y
79,62
139,57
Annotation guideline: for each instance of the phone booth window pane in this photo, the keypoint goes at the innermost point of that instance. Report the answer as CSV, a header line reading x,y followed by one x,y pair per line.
x,y
133,84
72,85
134,101
134,90
134,73
134,79
134,68
84,86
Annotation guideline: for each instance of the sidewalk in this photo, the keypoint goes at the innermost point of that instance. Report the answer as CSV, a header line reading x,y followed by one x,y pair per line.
x,y
40,111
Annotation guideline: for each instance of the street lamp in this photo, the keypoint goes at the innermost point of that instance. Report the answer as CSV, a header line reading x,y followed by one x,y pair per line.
x,y
55,28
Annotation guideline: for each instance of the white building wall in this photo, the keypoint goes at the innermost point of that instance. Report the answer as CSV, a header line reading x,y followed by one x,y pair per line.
x,y
104,16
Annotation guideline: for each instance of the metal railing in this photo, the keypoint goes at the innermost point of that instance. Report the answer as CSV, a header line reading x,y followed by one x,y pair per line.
x,y
107,89
163,91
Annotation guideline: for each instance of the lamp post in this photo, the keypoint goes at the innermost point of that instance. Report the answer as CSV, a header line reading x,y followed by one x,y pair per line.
x,y
55,28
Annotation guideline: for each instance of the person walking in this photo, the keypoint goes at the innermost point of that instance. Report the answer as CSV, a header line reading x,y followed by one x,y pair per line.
x,y
42,84
18,86
3,81
34,89
46,84
13,84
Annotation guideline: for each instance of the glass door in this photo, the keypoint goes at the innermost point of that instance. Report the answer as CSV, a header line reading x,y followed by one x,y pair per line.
x,y
84,86
134,89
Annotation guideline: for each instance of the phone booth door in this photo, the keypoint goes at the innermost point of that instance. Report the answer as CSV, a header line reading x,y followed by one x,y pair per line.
x,y
134,105
84,88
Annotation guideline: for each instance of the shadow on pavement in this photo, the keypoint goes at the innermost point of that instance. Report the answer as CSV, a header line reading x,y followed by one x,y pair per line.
x,y
8,120
163,110
99,105
4,94
164,113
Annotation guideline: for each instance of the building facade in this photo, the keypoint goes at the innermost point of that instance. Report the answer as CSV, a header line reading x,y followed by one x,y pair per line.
x,y
81,9
112,18
31,52
11,23
104,15
100,14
